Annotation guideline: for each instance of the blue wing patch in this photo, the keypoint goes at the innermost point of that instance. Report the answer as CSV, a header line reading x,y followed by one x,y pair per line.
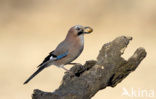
x,y
52,56
62,55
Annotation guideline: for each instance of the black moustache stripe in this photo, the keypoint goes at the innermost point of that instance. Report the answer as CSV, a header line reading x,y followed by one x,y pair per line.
x,y
80,33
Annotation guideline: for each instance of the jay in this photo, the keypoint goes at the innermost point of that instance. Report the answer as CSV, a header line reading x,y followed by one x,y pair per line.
x,y
67,51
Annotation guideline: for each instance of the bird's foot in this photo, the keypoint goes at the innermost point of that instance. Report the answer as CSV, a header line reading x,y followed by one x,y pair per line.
x,y
68,71
72,74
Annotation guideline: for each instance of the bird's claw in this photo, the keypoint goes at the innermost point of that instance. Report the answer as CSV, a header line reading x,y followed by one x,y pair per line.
x,y
72,74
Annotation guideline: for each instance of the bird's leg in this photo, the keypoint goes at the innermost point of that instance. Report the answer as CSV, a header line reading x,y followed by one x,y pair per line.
x,y
67,71
64,68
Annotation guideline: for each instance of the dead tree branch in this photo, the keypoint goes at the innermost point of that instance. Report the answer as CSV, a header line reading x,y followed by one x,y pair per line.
x,y
109,70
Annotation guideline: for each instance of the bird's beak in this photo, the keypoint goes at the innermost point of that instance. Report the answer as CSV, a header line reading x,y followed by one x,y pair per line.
x,y
88,30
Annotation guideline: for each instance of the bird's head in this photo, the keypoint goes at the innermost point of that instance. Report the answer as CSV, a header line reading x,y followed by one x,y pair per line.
x,y
79,30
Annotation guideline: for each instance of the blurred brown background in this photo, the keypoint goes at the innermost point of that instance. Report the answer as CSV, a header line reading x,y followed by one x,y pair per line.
x,y
30,29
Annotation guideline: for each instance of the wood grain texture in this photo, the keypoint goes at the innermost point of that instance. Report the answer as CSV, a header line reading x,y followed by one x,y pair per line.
x,y
108,70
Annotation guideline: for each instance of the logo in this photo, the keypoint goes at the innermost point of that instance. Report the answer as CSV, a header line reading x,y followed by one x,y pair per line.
x,y
137,92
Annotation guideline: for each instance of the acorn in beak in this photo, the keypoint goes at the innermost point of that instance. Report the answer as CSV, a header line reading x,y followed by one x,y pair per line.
x,y
87,30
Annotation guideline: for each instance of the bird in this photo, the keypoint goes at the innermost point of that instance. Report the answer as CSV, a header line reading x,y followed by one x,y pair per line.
x,y
66,51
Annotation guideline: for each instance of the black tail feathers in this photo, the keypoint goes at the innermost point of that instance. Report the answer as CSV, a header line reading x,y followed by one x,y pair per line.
x,y
34,74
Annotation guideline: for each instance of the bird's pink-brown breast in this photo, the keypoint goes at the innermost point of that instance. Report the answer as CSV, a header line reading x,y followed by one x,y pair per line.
x,y
74,45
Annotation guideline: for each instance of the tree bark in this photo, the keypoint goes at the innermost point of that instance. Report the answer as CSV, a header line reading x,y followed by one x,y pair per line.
x,y
108,70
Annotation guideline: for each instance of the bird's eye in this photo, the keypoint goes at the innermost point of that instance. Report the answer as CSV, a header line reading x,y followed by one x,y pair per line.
x,y
78,28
